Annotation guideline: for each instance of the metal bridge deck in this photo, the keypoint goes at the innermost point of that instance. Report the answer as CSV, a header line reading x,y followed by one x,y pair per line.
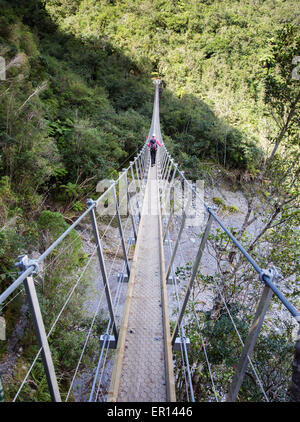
x,y
143,368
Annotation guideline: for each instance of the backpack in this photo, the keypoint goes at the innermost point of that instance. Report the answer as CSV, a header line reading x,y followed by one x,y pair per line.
x,y
153,144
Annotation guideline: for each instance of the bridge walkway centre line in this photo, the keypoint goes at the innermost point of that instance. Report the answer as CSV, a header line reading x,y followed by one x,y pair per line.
x,y
143,366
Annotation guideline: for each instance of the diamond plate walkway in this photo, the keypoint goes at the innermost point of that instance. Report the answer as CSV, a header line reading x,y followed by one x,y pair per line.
x,y
143,367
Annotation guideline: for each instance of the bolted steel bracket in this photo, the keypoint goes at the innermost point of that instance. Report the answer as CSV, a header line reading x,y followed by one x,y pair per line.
x,y
91,202
179,341
172,279
24,263
273,274
212,208
122,278
112,344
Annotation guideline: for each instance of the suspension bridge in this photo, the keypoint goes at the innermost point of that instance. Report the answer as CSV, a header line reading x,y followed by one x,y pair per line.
x,y
140,288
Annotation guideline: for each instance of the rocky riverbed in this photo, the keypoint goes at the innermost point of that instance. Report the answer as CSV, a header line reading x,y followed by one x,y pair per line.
x,y
114,261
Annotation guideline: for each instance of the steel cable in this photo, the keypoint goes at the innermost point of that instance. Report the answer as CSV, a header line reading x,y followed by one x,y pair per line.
x,y
116,304
56,320
238,334
109,328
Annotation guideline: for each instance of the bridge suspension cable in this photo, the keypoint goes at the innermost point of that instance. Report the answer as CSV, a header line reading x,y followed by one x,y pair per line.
x,y
127,227
169,169
176,199
108,331
29,267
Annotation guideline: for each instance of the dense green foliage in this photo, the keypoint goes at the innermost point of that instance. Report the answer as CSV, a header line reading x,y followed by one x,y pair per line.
x,y
77,99
77,102
78,84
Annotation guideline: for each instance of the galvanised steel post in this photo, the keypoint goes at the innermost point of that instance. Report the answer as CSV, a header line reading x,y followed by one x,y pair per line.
x,y
173,176
193,276
172,197
40,331
102,267
274,275
121,232
147,158
129,205
135,187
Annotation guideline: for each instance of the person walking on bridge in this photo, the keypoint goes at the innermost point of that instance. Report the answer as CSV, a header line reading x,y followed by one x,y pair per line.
x,y
152,144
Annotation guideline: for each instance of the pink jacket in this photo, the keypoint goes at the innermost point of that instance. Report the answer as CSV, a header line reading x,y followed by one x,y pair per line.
x,y
158,143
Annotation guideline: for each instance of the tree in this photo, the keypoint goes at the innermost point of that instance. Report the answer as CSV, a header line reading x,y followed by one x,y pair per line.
x,y
282,98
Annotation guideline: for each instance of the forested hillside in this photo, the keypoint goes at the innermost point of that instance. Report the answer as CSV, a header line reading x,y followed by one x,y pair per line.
x,y
78,95
76,104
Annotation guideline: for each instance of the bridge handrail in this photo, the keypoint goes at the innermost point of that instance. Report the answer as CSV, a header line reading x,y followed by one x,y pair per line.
x,y
168,170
